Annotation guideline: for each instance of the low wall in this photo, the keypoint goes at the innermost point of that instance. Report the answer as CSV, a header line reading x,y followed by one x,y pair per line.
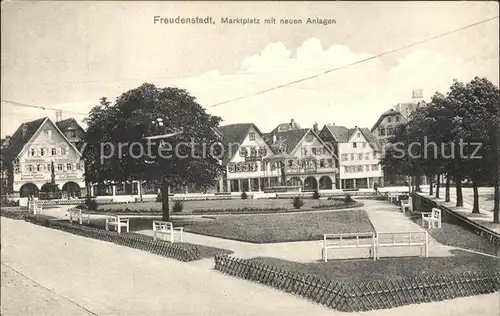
x,y
423,204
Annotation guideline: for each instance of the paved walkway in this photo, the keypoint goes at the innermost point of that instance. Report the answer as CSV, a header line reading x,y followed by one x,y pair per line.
x,y
485,218
49,272
72,275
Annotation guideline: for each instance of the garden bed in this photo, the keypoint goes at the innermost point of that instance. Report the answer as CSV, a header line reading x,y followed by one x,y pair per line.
x,y
348,271
240,206
14,212
363,295
273,228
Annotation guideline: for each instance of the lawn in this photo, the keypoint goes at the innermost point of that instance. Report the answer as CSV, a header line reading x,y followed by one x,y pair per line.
x,y
387,268
272,228
190,206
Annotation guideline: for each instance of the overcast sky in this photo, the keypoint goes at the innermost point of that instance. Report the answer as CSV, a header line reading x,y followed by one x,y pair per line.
x,y
69,54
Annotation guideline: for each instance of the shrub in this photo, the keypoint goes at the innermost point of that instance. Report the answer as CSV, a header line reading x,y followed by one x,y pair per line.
x,y
244,195
178,206
8,203
348,198
158,198
243,210
297,202
91,204
316,195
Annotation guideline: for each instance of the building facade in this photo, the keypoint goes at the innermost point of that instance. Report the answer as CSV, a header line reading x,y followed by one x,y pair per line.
x,y
389,123
286,159
40,156
358,153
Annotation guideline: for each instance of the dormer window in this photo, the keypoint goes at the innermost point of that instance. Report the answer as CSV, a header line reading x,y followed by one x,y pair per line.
x,y
49,134
251,136
42,152
354,145
32,152
389,119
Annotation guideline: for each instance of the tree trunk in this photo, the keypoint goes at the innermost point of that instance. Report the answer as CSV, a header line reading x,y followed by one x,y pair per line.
x,y
496,182
438,185
431,189
475,208
139,185
496,199
458,186
447,189
165,208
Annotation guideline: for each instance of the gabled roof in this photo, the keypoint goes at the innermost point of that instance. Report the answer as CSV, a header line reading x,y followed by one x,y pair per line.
x,y
372,140
290,138
235,134
24,133
390,112
65,124
21,137
284,127
343,134
340,133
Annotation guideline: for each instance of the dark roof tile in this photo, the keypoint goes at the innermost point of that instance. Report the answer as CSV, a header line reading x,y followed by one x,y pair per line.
x,y
22,136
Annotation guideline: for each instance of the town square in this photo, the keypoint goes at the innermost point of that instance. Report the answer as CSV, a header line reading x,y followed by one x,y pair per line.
x,y
262,169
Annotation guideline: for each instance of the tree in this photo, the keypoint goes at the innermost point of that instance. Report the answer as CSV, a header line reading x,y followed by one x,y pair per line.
x,y
476,116
117,150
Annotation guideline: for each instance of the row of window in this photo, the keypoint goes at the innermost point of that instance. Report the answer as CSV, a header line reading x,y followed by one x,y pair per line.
x,y
361,168
352,157
253,151
305,164
363,144
382,131
396,119
319,151
33,152
58,167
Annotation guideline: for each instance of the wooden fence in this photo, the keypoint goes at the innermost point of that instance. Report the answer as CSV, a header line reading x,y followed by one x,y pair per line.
x,y
362,295
178,251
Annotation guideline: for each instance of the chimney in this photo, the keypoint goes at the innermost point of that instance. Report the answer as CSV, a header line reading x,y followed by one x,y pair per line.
x,y
333,124
274,138
291,123
315,127
6,141
24,129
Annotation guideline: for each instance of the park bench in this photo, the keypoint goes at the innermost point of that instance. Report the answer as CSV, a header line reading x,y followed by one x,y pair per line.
x,y
392,197
433,218
35,207
408,205
403,239
77,215
348,240
113,220
167,228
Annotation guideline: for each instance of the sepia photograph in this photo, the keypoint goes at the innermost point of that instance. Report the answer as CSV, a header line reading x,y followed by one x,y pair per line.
x,y
253,158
